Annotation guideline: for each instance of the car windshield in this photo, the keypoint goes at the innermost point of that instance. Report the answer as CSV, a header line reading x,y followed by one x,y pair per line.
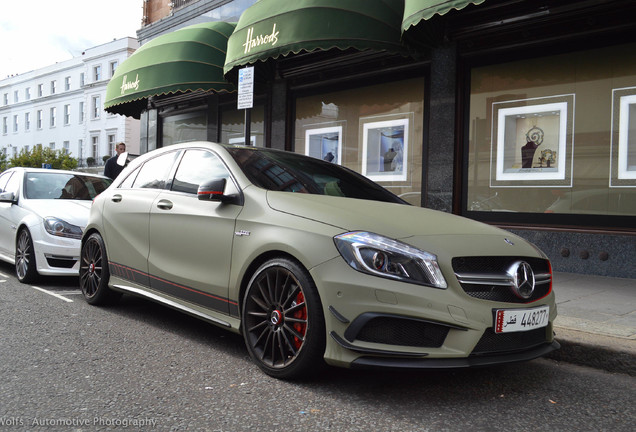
x,y
54,185
291,172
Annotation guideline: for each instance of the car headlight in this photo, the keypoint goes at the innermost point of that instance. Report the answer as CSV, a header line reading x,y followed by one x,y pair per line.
x,y
61,228
381,256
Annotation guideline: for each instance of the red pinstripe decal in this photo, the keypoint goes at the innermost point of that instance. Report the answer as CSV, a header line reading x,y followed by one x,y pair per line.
x,y
125,270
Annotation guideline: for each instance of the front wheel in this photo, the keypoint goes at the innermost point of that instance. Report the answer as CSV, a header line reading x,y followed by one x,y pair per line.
x,y
282,320
25,267
94,273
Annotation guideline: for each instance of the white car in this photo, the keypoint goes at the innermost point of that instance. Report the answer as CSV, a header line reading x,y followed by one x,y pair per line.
x,y
43,213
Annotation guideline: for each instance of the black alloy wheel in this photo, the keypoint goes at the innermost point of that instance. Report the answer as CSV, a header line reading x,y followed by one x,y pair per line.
x,y
94,273
25,266
282,320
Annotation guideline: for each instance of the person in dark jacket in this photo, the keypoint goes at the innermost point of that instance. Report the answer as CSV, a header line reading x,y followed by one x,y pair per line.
x,y
112,169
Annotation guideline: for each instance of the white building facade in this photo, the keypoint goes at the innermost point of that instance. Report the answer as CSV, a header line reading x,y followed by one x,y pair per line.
x,y
61,106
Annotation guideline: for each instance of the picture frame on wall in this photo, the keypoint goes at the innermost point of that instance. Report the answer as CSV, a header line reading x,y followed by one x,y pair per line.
x,y
623,145
385,149
324,143
532,142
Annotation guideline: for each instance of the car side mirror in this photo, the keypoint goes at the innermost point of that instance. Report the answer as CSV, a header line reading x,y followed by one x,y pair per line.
x,y
213,190
7,197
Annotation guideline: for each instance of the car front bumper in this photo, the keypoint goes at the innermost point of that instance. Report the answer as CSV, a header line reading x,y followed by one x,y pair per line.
x,y
376,322
57,256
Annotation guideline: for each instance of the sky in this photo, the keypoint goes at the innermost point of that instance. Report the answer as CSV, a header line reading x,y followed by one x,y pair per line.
x,y
39,33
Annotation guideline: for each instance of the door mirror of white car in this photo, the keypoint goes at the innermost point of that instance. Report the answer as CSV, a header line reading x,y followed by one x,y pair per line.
x,y
7,197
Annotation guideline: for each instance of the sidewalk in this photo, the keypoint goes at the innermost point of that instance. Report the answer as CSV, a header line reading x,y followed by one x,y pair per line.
x,y
596,322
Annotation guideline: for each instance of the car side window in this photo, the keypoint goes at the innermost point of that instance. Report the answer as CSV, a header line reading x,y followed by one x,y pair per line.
x,y
4,178
199,166
154,173
13,184
128,181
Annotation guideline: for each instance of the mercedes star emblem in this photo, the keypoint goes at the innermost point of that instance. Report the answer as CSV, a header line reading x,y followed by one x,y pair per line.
x,y
522,279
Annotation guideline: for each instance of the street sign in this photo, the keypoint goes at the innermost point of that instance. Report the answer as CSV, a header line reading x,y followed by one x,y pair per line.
x,y
245,98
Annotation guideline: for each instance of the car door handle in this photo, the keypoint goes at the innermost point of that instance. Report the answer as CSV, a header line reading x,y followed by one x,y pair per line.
x,y
164,204
116,198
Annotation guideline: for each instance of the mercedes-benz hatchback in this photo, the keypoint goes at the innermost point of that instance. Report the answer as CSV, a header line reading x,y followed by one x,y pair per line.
x,y
313,263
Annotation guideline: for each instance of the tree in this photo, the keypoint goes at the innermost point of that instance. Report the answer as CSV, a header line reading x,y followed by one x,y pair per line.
x,y
34,158
3,161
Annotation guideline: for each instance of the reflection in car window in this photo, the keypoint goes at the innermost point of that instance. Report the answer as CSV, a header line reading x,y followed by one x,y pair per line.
x,y
130,178
13,185
154,172
53,185
4,178
196,167
291,172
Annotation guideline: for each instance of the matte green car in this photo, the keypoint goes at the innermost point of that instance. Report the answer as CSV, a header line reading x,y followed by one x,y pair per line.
x,y
313,263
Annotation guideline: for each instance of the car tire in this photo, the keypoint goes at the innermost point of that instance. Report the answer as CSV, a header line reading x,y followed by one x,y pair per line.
x,y
94,273
282,320
25,264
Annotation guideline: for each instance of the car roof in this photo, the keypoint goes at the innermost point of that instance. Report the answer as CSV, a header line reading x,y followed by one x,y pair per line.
x,y
53,170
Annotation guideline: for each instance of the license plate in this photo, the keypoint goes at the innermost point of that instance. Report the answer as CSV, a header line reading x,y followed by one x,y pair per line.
x,y
518,320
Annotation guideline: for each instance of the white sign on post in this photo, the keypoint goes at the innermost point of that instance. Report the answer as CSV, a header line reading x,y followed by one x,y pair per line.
x,y
245,98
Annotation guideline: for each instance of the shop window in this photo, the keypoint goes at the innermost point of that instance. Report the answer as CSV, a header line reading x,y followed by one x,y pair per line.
x,y
376,131
233,126
554,135
186,127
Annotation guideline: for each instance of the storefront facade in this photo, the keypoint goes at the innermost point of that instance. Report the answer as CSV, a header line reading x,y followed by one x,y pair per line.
x,y
520,114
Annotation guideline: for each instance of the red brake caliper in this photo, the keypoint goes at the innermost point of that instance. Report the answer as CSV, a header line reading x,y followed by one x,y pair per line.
x,y
300,314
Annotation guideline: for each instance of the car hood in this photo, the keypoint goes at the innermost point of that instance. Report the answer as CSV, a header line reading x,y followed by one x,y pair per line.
x,y
72,211
389,219
443,234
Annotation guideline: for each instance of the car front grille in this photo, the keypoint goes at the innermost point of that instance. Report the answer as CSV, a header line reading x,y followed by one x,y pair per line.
x,y
500,343
486,278
402,331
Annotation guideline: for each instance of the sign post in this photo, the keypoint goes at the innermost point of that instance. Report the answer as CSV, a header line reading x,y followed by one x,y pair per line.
x,y
245,98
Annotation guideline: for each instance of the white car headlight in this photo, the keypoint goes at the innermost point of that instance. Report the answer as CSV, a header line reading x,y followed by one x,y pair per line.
x,y
61,228
381,256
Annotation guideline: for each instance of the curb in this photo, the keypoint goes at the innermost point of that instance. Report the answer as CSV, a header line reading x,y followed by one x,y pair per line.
x,y
615,355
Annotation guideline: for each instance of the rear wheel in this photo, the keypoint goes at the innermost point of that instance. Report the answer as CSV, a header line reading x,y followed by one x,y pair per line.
x,y
25,267
94,273
282,320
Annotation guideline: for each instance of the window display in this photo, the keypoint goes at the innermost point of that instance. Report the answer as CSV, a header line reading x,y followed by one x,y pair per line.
x,y
624,138
324,143
553,134
375,130
385,149
532,142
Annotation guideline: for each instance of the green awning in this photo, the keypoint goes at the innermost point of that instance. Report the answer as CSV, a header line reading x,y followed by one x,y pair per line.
x,y
273,28
187,60
418,10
